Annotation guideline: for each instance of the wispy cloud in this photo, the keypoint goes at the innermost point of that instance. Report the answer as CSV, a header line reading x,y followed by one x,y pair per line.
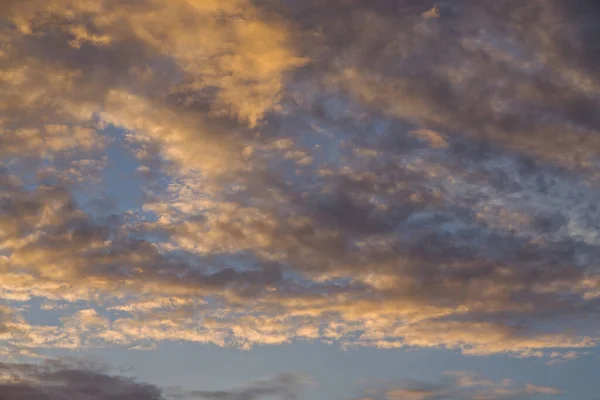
x,y
464,386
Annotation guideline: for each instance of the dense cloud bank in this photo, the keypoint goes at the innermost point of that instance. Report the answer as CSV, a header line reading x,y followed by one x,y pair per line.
x,y
372,173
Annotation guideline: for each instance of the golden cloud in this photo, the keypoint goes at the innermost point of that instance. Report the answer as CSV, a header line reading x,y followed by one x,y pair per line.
x,y
362,198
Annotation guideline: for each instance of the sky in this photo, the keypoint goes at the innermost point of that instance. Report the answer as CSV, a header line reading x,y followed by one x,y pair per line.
x,y
299,200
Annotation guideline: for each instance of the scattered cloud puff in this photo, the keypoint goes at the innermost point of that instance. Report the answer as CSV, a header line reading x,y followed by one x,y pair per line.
x,y
75,379
365,173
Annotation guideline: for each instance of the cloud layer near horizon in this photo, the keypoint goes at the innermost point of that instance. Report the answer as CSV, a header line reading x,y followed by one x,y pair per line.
x,y
366,173
464,386
73,379
79,379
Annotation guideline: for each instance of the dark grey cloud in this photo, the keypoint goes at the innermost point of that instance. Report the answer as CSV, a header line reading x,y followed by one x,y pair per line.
x,y
515,74
74,379
69,380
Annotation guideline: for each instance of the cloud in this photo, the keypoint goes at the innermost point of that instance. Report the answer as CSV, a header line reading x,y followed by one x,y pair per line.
x,y
350,172
76,379
467,386
81,379
433,12
519,83
59,379
284,387
230,46
5,319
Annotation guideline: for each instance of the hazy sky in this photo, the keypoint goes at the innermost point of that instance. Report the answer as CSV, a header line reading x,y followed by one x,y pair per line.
x,y
299,199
